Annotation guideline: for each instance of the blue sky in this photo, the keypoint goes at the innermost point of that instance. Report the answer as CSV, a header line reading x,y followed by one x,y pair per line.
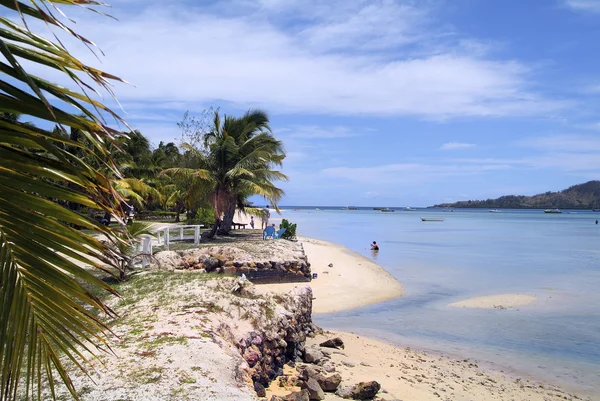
x,y
385,102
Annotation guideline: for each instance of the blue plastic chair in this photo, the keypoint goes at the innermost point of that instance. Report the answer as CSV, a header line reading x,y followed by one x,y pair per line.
x,y
279,233
269,232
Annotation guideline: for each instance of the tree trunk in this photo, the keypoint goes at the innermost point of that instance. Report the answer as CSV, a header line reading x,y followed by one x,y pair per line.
x,y
227,220
213,231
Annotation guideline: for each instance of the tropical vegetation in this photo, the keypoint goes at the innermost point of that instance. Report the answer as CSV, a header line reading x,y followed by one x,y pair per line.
x,y
68,181
581,196
53,162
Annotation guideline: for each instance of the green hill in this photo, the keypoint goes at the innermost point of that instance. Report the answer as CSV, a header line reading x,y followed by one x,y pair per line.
x,y
582,196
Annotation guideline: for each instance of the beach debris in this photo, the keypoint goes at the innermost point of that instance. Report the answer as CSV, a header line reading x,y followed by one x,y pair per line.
x,y
348,364
333,343
315,392
330,265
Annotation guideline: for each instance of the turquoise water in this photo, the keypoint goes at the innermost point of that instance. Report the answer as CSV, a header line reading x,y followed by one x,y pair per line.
x,y
476,253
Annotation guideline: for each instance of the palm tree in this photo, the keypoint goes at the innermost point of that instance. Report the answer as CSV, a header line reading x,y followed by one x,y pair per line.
x,y
237,163
46,306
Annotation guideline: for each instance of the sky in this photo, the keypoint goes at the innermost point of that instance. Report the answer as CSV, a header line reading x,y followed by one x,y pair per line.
x,y
378,103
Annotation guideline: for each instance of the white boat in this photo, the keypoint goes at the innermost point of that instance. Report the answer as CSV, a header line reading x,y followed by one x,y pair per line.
x,y
432,219
317,208
409,208
385,209
350,208
555,211
494,211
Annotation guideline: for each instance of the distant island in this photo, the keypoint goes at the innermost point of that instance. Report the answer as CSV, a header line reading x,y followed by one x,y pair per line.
x,y
582,196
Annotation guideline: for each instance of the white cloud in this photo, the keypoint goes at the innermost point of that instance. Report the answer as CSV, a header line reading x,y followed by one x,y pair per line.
x,y
187,56
584,5
316,132
456,145
408,173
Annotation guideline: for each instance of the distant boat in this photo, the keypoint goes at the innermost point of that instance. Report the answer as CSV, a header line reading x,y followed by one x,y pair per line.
x,y
317,208
432,219
494,211
350,208
379,208
385,209
448,210
555,211
409,208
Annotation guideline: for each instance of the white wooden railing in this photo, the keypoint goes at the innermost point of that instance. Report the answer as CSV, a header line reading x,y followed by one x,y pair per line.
x,y
165,232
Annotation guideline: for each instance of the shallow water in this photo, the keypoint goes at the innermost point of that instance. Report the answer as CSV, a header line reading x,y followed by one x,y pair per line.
x,y
477,253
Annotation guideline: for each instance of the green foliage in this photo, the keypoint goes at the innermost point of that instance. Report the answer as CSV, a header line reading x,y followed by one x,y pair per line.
x,y
290,229
46,303
582,196
204,215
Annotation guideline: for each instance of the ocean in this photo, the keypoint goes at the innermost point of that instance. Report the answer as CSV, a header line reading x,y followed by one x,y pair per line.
x,y
476,253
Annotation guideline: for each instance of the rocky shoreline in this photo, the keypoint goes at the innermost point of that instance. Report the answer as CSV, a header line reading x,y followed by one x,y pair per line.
x,y
194,333
267,262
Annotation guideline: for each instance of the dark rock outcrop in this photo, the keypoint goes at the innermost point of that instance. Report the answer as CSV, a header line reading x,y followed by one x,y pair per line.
x,y
279,336
314,389
333,343
260,390
329,383
365,390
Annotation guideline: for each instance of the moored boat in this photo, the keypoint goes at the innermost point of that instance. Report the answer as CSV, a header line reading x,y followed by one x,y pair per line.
x,y
494,211
555,211
432,219
385,209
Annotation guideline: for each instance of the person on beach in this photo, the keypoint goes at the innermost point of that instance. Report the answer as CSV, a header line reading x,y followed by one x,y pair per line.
x,y
252,222
374,246
265,218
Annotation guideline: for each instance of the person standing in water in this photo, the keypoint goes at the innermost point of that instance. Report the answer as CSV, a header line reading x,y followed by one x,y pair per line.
x,y
374,246
265,218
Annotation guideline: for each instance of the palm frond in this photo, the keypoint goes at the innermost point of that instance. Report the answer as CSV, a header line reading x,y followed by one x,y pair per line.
x,y
46,305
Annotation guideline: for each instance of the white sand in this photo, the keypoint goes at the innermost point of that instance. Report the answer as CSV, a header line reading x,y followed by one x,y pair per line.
x,y
353,280
503,301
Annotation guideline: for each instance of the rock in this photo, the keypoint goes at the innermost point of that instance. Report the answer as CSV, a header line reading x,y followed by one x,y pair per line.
x,y
315,392
329,383
306,372
276,398
329,367
211,264
365,364
333,343
348,363
297,396
252,355
365,390
260,389
312,355
344,392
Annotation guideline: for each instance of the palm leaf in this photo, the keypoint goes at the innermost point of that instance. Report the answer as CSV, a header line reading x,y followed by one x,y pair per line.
x,y
46,304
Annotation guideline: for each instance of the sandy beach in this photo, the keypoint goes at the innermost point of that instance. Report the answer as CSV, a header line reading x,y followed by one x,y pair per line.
x,y
503,301
350,282
408,374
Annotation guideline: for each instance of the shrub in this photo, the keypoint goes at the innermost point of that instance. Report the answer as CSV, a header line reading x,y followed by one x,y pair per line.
x,y
290,229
